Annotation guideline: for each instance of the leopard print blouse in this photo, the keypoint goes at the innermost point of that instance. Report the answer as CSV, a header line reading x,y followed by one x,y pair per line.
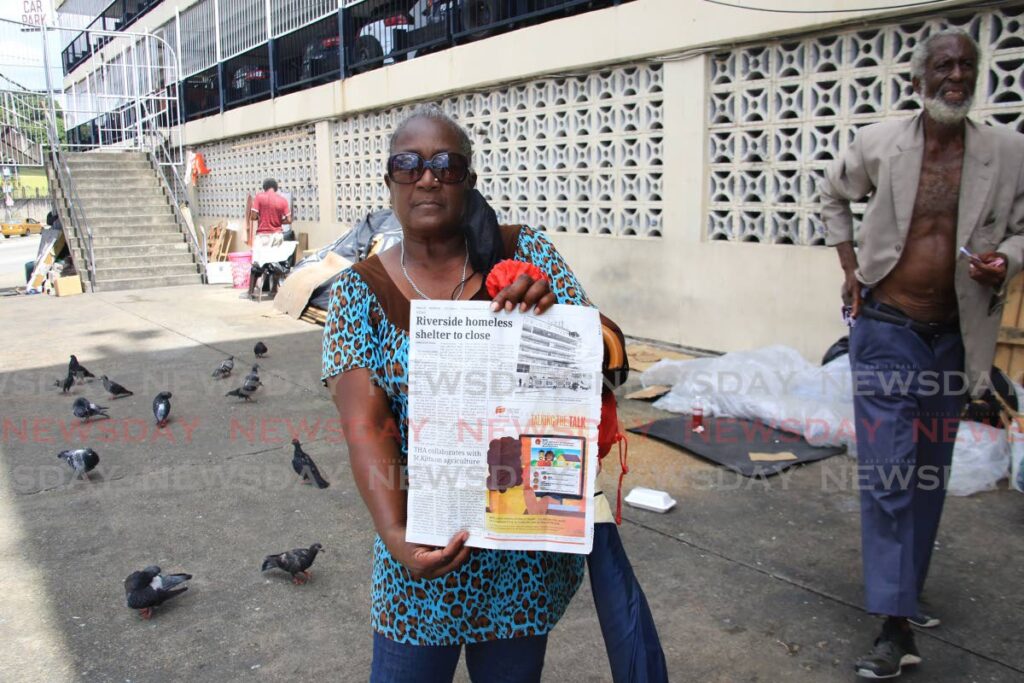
x,y
496,593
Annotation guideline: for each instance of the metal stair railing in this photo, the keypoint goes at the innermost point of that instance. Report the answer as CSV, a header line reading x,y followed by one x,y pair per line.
x,y
164,162
64,178
78,220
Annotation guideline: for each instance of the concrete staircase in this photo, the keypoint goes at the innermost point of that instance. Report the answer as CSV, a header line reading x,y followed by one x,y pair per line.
x,y
137,240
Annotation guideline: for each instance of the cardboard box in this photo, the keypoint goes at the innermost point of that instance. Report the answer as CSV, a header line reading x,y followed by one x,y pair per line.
x,y
68,285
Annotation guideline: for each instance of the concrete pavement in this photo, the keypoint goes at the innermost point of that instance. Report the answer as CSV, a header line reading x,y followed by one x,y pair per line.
x,y
748,580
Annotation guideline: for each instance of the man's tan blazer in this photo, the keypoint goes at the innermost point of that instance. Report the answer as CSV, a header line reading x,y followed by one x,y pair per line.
x,y
883,164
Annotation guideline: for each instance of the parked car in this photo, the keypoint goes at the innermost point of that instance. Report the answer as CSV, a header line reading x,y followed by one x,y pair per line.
x,y
385,40
201,92
250,79
321,56
395,36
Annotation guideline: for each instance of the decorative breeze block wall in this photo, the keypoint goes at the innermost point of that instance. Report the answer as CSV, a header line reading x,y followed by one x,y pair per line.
x,y
238,167
779,112
581,153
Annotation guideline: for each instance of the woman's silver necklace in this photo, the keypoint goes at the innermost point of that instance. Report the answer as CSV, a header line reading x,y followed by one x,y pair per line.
x,y
462,285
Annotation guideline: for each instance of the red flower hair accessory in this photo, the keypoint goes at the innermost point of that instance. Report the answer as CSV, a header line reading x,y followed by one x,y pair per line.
x,y
505,273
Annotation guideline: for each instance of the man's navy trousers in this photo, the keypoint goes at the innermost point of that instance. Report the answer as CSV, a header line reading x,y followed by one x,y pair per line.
x,y
909,389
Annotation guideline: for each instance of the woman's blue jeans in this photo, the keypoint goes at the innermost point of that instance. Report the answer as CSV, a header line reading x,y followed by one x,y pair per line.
x,y
515,660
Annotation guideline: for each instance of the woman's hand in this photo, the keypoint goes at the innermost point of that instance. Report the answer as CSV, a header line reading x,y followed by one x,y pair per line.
x,y
424,561
525,292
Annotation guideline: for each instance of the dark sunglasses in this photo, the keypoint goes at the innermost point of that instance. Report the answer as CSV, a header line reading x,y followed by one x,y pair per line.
x,y
406,168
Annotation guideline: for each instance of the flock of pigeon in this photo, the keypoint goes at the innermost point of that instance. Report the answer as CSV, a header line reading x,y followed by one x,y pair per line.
x,y
150,587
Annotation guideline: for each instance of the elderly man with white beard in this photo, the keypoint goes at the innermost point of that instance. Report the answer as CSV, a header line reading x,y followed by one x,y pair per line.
x,y
939,243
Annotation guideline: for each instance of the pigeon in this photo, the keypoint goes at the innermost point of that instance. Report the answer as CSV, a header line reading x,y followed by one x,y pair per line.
x,y
65,384
260,349
242,392
77,369
225,368
162,408
114,389
148,588
82,460
306,468
252,380
295,562
85,409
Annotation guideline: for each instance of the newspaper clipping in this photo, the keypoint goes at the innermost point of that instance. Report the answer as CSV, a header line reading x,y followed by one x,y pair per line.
x,y
503,415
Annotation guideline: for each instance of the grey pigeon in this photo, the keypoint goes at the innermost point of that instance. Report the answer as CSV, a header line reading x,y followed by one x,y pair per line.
x,y
81,460
252,380
65,384
242,392
306,468
225,368
149,588
85,409
296,562
162,408
260,349
114,389
77,369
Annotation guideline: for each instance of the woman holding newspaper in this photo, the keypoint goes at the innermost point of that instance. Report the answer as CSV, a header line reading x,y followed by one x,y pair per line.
x,y
428,602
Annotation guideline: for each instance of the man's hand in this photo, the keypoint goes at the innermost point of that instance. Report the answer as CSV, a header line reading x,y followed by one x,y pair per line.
x,y
424,561
988,269
851,293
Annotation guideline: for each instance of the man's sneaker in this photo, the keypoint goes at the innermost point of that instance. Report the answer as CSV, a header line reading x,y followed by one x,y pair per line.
x,y
893,650
923,620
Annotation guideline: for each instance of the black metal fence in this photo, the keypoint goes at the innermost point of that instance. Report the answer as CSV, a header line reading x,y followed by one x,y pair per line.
x,y
394,30
201,94
475,19
363,35
309,56
119,15
247,77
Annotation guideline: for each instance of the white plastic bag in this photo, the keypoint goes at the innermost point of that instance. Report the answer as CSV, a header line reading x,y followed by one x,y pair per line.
x,y
981,458
1016,457
774,385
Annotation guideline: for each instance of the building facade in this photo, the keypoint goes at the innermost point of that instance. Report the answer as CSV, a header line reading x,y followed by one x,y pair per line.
x,y
670,148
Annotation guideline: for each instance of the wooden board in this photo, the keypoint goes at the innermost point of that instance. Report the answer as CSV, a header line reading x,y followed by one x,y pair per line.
x,y
218,242
1010,344
250,224
642,356
314,315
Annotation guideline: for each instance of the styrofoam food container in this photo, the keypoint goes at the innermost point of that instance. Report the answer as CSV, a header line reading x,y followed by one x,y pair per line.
x,y
218,273
650,499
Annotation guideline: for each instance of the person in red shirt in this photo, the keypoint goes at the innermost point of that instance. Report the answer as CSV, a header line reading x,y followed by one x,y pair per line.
x,y
271,210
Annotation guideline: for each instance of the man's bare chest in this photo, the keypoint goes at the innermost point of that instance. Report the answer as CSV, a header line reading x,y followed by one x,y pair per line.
x,y
938,191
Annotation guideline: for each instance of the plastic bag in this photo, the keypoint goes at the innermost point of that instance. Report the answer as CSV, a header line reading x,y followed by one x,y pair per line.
x,y
1016,438
980,459
774,385
355,244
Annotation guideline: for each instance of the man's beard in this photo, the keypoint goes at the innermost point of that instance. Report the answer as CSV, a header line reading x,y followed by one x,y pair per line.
x,y
946,113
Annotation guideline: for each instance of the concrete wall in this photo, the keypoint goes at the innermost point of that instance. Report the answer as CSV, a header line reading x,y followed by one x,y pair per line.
x,y
27,208
679,288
